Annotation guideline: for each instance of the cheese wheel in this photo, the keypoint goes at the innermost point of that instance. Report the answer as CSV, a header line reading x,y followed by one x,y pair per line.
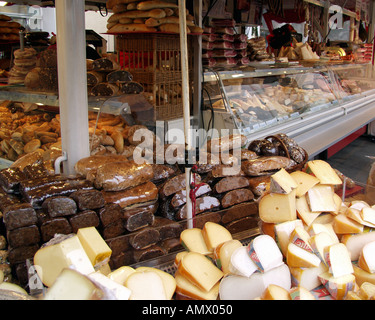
x,y
275,292
277,208
366,259
320,198
355,214
301,238
111,289
316,228
368,215
282,182
241,263
366,291
338,259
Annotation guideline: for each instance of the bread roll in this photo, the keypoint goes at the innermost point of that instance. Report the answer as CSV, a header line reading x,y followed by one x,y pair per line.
x,y
155,13
111,3
149,5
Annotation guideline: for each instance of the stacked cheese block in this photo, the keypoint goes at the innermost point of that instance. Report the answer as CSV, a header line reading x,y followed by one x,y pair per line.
x,y
146,16
9,30
24,61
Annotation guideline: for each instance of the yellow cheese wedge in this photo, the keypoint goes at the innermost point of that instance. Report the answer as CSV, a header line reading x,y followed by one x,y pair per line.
x,y
307,277
338,201
304,212
72,285
344,225
362,276
283,231
359,204
366,259
337,287
192,240
366,291
298,257
121,274
215,234
355,242
200,271
282,182
304,181
223,254
49,261
338,259
368,215
316,228
277,208
300,293
355,214
320,198
111,289
179,256
301,238
351,295
96,248
169,281
323,171
319,242
275,292
146,285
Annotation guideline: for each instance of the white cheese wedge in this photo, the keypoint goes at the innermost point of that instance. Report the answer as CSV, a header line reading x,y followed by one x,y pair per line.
x,y
235,287
188,289
200,271
355,214
324,172
304,212
275,292
169,281
337,257
121,274
146,286
192,240
215,234
319,242
277,208
337,287
320,198
298,257
344,225
362,276
282,182
366,291
96,248
49,261
359,205
111,289
316,228
265,253
366,259
307,277
72,285
223,254
283,232
301,238
368,215
241,263
304,181
301,293
355,242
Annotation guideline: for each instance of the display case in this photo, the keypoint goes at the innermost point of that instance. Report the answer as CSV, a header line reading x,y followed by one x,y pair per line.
x,y
302,101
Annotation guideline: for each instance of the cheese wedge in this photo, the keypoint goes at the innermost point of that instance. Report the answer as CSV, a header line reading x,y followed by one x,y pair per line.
x,y
359,204
304,182
282,182
355,214
283,232
111,289
338,201
192,240
265,253
323,171
146,285
223,254
355,242
275,292
307,277
241,263
9,286
320,199
186,288
200,271
362,276
96,248
298,257
179,256
316,228
366,259
301,238
277,208
351,295
49,261
368,215
72,285
337,287
366,291
344,225
215,234
300,293
319,242
304,212
121,274
325,218
338,260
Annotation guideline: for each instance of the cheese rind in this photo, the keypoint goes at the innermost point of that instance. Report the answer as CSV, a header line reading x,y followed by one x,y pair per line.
x,y
215,234
338,260
323,171
338,287
277,208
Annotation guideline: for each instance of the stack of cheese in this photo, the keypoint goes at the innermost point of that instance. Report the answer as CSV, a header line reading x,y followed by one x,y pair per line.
x,y
9,30
146,16
75,267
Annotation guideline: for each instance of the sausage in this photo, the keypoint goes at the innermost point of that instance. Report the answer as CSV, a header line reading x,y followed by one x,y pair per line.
x,y
231,183
265,165
202,204
236,196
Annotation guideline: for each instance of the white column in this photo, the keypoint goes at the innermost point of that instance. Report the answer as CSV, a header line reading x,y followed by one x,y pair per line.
x,y
71,55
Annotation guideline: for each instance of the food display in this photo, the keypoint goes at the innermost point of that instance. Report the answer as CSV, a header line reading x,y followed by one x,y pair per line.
x,y
9,30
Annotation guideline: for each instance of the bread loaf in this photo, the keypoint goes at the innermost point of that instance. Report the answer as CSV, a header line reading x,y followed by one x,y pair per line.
x,y
172,28
84,165
111,3
133,27
149,5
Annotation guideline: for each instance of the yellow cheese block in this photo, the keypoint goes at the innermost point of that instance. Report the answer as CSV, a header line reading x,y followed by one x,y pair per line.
x,y
338,287
366,259
362,276
344,225
368,215
307,277
337,257
320,198
96,248
319,242
277,208
323,171
366,291
50,260
300,293
121,274
275,292
283,231
301,238
304,212
223,254
215,234
304,181
146,285
200,271
282,182
298,257
192,240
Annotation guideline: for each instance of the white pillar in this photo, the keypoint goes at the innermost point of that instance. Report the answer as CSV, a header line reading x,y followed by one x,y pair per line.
x,y
71,55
